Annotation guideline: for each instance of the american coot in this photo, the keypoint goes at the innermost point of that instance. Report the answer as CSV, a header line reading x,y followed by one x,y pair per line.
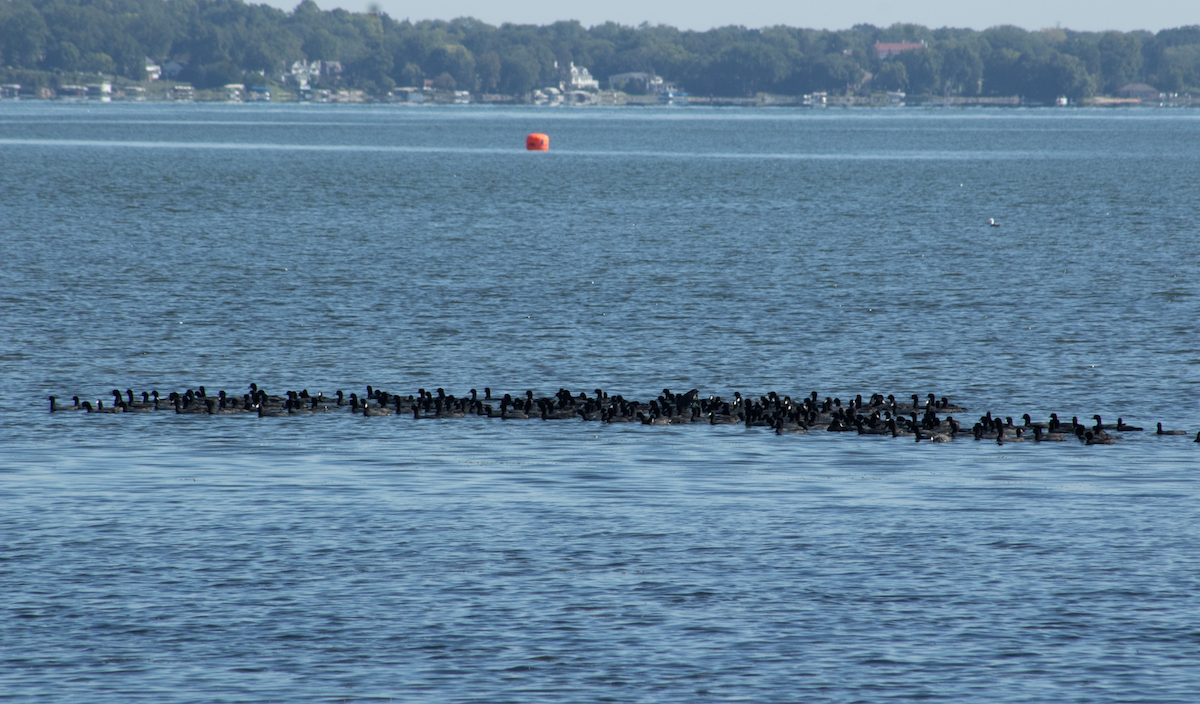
x,y
369,410
881,415
1039,436
265,411
1030,424
54,407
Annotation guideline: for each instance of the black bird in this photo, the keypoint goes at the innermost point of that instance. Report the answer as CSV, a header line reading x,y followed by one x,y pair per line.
x,y
1170,432
1038,436
1030,424
54,407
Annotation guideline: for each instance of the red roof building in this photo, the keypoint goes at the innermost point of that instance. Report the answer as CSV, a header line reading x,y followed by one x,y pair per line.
x,y
885,49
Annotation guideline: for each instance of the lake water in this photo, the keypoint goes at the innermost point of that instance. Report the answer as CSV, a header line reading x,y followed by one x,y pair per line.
x,y
162,558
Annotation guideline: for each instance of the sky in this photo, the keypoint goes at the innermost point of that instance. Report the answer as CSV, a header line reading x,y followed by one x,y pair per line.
x,y
1083,15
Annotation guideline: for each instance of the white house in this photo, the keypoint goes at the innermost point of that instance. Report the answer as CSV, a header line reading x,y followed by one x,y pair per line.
x,y
578,78
302,72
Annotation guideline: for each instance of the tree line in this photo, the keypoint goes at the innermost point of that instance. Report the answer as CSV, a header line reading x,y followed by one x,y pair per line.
x,y
229,41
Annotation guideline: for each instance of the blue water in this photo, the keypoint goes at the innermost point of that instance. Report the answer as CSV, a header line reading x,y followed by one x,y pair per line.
x,y
155,557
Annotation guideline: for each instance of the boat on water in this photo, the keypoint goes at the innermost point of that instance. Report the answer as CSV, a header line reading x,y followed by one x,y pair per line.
x,y
673,97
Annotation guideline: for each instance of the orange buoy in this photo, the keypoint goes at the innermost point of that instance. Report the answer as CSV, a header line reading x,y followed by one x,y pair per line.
x,y
537,142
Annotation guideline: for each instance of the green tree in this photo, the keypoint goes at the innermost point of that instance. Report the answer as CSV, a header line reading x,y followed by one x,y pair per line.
x,y
961,69
891,76
411,76
372,70
98,62
923,68
455,60
1120,59
1179,68
23,34
828,72
488,69
321,45
1057,75
519,71
1003,73
742,70
213,75
64,56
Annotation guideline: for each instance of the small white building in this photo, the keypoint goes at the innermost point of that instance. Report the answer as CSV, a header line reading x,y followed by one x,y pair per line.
x,y
153,70
233,92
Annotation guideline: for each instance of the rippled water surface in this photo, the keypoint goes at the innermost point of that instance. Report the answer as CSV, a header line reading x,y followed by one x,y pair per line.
x,y
155,557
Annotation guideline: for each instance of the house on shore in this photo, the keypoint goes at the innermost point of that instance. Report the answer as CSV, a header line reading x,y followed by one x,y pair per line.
x,y
887,50
1138,91
638,81
578,78
172,69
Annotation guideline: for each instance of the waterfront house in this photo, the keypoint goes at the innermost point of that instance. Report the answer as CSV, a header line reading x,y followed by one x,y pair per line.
x,y
172,69
1138,91
888,49
578,78
100,91
72,92
637,81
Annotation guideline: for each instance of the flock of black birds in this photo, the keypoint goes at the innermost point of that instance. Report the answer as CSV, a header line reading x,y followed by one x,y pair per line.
x,y
931,420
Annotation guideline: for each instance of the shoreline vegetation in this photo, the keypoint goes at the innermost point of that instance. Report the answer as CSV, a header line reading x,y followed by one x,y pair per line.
x,y
227,50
